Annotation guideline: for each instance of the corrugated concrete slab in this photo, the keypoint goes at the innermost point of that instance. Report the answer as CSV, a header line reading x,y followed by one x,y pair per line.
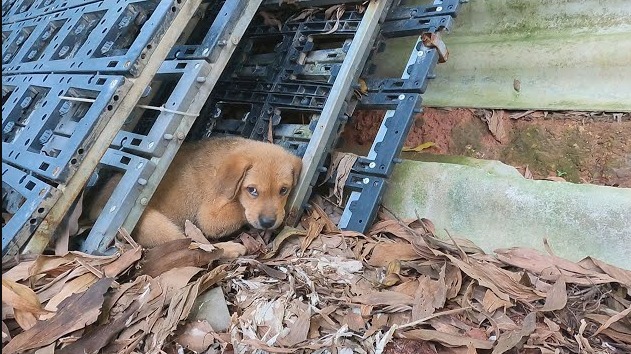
x,y
494,207
532,54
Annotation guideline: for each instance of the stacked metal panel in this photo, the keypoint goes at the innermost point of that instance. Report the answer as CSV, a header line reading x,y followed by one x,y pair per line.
x,y
74,74
401,98
92,88
292,82
297,84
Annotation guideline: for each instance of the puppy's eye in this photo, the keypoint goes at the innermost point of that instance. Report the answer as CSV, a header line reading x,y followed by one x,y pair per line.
x,y
253,192
284,190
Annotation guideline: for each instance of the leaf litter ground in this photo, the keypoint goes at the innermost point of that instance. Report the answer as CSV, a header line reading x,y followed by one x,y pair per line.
x,y
315,289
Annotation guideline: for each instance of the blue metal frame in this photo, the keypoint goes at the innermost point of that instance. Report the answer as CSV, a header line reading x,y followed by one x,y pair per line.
x,y
150,139
20,10
46,134
28,199
402,98
104,37
58,101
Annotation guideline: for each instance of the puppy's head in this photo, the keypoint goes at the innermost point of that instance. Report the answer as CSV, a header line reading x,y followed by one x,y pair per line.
x,y
266,175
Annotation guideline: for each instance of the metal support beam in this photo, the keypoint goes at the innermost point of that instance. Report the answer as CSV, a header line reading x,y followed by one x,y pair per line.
x,y
108,130
210,73
333,108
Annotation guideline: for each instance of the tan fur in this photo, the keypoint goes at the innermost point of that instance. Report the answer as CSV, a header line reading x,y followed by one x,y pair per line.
x,y
207,183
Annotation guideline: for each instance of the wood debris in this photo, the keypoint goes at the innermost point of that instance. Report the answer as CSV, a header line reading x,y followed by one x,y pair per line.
x,y
316,289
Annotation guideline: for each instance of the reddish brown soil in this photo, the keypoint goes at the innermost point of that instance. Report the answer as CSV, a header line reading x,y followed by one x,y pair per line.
x,y
580,147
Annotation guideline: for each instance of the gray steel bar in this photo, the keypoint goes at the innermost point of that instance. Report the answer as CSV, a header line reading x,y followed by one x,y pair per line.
x,y
109,129
348,74
198,93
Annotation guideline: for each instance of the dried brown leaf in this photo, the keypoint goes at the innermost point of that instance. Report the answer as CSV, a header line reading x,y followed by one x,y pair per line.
x,y
385,297
270,129
19,272
21,297
396,228
102,335
379,320
315,228
613,319
390,280
24,318
498,280
319,213
252,245
276,274
175,279
620,337
583,343
211,278
304,14
556,298
384,253
299,330
622,276
179,308
286,233
550,267
510,339
176,254
6,335
54,286
453,281
75,286
332,10
446,338
602,319
491,302
342,164
126,260
392,274
495,122
53,266
74,313
354,321
430,295
196,336
551,325
68,227
194,233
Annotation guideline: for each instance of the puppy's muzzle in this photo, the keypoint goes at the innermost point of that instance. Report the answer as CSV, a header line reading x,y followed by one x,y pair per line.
x,y
267,222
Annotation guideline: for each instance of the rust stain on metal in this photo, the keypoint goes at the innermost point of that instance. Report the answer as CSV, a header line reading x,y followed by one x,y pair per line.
x,y
433,40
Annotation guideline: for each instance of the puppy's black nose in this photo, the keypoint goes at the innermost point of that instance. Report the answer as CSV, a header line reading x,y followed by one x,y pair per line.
x,y
267,222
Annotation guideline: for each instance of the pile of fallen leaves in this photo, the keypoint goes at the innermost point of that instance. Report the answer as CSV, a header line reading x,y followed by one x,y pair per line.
x,y
315,289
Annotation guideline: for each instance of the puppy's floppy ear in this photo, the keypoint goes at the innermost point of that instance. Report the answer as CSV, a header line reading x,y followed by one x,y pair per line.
x,y
231,175
296,168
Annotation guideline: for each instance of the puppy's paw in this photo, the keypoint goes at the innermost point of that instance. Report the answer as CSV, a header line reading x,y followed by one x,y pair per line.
x,y
231,250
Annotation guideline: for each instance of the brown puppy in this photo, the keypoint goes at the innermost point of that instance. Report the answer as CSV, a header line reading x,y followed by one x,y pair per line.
x,y
220,185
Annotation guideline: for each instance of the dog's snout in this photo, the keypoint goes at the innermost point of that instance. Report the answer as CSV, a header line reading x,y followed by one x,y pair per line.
x,y
267,221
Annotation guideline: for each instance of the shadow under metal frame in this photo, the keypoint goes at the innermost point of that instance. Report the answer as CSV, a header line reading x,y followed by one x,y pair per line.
x,y
196,79
106,129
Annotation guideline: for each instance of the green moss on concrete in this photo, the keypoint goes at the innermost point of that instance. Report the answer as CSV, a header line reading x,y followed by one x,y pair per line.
x,y
490,166
467,137
542,43
527,147
499,211
547,154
